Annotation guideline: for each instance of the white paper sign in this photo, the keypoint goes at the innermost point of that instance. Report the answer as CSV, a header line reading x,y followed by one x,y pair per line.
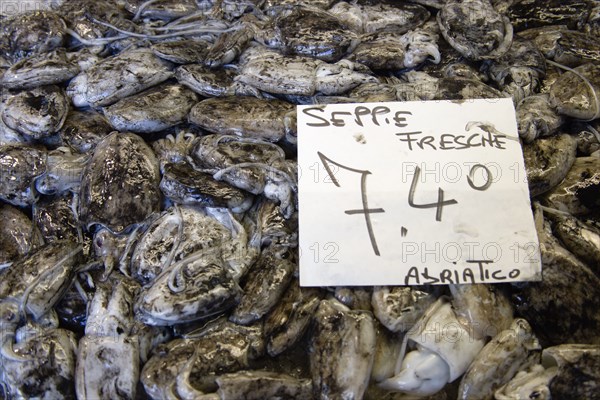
x,y
410,193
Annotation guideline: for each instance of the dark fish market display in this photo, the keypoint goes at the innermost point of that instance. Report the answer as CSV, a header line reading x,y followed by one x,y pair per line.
x,y
149,200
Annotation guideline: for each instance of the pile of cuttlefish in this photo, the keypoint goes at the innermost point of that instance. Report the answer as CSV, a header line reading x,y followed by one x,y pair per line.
x,y
148,201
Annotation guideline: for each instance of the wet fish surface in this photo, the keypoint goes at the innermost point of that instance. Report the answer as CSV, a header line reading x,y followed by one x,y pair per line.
x,y
149,200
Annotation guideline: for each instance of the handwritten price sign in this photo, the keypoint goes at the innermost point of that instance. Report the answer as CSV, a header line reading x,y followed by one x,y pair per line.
x,y
413,193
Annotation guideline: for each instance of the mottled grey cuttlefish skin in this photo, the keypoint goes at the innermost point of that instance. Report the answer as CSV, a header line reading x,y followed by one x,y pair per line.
x,y
580,238
519,71
153,110
259,385
308,31
28,170
475,29
354,297
485,308
342,351
56,218
249,164
271,5
222,347
110,311
272,72
36,113
149,338
550,13
206,81
574,48
587,142
20,165
273,227
380,51
160,372
578,363
107,367
108,359
84,129
378,17
536,117
263,119
215,152
149,200
48,368
45,274
18,235
567,371
196,287
184,185
398,308
40,70
27,34
393,51
512,350
165,10
575,93
185,51
465,88
419,85
183,230
548,161
114,78
562,308
577,193
119,187
287,322
265,283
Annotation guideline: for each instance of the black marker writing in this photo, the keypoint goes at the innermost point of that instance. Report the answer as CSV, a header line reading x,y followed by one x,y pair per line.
x,y
408,138
379,115
449,141
485,272
362,110
400,122
488,177
335,121
309,112
439,205
363,190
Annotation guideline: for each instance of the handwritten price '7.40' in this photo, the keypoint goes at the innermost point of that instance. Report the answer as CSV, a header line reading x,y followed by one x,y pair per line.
x,y
366,211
